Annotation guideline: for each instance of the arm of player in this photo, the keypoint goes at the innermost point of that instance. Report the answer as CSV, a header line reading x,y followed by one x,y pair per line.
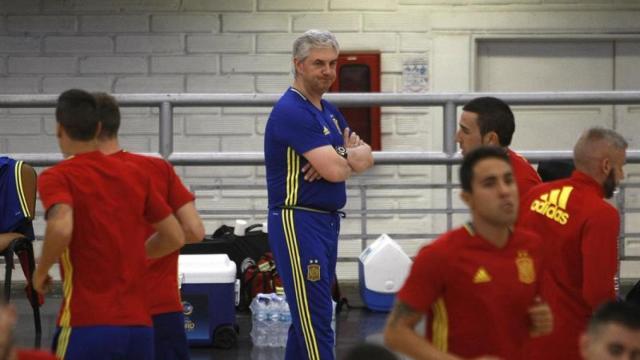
x,y
400,335
7,238
191,223
360,157
326,162
541,318
57,236
600,256
167,239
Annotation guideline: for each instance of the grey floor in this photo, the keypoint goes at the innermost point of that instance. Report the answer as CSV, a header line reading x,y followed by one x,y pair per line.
x,y
353,326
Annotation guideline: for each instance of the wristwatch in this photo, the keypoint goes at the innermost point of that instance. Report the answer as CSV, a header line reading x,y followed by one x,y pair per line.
x,y
342,151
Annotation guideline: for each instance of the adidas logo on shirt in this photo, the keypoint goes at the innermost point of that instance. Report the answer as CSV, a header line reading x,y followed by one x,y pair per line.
x,y
481,276
554,204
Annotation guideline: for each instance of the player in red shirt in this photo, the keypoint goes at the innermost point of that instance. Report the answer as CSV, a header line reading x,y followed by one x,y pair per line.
x,y
478,284
160,280
580,230
489,121
97,208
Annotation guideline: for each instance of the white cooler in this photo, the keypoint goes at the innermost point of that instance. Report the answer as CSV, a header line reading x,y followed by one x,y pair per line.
x,y
382,267
207,286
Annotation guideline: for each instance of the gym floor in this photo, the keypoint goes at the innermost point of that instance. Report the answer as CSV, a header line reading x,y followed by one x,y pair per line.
x,y
354,326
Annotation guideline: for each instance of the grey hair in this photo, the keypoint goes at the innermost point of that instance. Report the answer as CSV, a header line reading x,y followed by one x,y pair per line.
x,y
313,39
587,147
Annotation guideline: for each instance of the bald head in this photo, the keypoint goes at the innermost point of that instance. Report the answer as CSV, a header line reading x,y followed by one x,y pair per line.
x,y
595,144
601,153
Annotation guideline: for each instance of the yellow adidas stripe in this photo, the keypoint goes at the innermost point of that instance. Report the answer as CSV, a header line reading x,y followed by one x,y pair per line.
x,y
20,189
67,288
63,342
564,196
299,286
553,196
293,173
440,326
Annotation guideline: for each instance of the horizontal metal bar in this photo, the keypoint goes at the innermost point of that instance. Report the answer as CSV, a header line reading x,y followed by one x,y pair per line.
x,y
257,158
346,99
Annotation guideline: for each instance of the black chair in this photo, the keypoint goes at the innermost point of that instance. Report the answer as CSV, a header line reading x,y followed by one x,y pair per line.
x,y
22,246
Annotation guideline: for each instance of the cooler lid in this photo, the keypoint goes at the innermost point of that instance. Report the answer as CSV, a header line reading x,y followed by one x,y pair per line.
x,y
206,269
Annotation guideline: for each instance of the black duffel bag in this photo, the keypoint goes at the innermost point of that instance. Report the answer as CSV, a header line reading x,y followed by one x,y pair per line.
x,y
254,244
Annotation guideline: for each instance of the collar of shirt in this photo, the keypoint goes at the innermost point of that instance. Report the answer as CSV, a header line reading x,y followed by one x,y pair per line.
x,y
588,182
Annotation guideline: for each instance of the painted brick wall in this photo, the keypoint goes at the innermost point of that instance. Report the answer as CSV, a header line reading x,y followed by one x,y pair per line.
x,y
242,46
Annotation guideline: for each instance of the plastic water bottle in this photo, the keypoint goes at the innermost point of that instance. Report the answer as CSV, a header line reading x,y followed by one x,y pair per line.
x,y
259,329
284,322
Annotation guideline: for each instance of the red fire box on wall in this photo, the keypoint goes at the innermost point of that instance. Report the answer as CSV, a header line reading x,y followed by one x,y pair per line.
x,y
360,72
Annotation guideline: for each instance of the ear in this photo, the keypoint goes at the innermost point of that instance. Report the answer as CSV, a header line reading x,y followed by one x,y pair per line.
x,y
491,138
466,197
605,165
59,130
297,64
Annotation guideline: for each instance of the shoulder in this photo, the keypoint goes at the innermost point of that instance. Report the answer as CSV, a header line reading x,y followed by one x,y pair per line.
x,y
443,246
603,210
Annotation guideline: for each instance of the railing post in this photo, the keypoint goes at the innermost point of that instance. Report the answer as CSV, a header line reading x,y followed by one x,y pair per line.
x,y
166,130
363,217
449,148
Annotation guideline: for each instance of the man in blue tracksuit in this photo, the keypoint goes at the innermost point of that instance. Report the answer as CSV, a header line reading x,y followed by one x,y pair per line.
x,y
309,152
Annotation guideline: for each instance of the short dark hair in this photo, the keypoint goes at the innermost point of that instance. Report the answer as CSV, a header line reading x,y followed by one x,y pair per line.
x,y
617,312
476,155
76,113
108,115
493,115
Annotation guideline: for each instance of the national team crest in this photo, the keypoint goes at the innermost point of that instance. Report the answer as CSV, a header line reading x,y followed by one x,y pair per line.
x,y
526,269
313,270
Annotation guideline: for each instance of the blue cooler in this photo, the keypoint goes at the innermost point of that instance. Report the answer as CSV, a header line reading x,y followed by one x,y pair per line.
x,y
207,286
382,268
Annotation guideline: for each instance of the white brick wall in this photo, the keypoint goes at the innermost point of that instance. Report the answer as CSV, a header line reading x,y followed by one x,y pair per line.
x,y
291,5
218,5
220,84
335,22
243,46
113,65
114,23
232,43
78,44
42,65
41,24
190,23
150,44
255,22
13,44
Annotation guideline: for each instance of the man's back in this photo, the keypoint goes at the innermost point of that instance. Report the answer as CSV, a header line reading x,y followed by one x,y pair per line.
x,y
526,176
103,266
160,280
580,233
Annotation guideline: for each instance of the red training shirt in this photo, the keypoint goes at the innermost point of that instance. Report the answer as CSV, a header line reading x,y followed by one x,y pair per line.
x,y
475,294
580,231
525,175
161,279
103,267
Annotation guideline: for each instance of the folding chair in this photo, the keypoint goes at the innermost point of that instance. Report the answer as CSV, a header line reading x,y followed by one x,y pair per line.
x,y
25,179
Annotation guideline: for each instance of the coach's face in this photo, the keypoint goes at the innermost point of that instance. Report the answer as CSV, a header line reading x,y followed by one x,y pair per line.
x,y
494,195
318,70
612,341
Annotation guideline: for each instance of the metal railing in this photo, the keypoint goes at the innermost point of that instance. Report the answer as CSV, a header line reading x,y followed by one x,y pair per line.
x,y
447,101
